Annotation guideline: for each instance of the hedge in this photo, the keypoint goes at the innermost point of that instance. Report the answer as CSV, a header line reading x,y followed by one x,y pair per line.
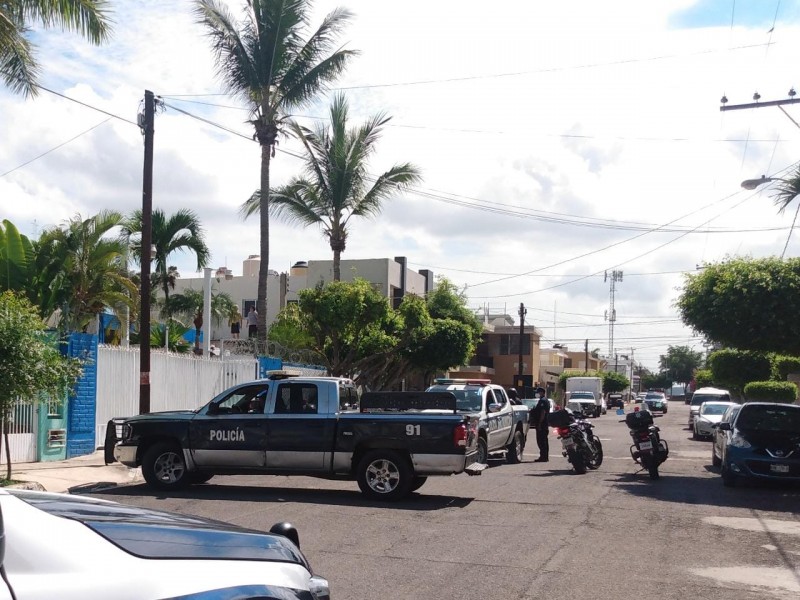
x,y
782,366
703,378
770,391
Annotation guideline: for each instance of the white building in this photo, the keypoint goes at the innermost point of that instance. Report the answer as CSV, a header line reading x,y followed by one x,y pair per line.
x,y
390,277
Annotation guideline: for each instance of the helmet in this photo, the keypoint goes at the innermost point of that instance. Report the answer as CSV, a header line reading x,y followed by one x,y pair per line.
x,y
512,393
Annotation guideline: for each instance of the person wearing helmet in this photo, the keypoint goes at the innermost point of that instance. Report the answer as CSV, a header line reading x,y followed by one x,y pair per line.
x,y
538,420
513,397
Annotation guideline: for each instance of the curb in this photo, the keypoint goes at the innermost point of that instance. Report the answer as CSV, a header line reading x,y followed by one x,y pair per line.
x,y
88,488
26,485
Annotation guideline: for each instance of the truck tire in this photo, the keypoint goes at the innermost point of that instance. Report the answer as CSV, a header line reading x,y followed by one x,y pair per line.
x,y
515,449
418,483
483,452
384,475
164,467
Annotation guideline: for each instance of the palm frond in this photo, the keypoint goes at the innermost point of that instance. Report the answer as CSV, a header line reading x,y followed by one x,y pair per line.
x,y
787,190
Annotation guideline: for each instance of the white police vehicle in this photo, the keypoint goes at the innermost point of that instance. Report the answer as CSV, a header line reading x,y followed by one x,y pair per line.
x,y
78,548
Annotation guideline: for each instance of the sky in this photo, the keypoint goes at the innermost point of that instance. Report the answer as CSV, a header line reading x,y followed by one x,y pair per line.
x,y
558,142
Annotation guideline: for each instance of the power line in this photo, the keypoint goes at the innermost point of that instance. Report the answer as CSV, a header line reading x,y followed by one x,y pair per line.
x,y
105,112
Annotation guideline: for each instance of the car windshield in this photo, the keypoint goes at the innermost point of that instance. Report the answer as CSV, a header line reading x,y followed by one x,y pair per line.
x,y
468,399
698,399
713,409
656,401
785,419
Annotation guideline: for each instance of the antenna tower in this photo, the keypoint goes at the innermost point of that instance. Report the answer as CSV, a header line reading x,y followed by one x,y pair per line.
x,y
611,313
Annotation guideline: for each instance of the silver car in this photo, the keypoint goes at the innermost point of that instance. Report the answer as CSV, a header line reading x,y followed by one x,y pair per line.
x,y
709,415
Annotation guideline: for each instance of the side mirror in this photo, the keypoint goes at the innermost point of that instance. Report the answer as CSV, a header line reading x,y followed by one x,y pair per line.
x,y
724,426
287,530
213,409
494,407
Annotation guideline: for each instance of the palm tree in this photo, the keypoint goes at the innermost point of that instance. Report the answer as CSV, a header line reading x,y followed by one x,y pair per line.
x,y
785,192
191,303
337,186
88,268
18,66
179,233
266,61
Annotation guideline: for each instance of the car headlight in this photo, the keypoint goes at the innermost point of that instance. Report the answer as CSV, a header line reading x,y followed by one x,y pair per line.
x,y
319,588
737,441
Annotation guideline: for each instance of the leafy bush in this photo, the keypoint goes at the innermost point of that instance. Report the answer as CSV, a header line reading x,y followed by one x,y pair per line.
x,y
783,365
770,391
703,378
614,382
733,369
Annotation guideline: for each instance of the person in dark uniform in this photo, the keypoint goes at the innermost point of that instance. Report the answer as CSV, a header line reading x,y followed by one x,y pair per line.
x,y
539,422
513,397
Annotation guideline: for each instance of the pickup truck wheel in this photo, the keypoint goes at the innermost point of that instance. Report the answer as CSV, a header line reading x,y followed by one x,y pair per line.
x,y
483,452
384,475
515,449
163,467
418,483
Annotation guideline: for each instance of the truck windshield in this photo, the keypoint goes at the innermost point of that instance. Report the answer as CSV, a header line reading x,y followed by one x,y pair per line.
x,y
468,399
582,396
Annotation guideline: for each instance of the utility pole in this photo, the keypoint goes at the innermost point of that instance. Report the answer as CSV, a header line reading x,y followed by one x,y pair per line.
x,y
611,313
522,312
586,355
632,363
147,124
756,104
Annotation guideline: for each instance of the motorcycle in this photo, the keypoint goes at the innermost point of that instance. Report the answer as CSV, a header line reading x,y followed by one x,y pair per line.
x,y
648,449
579,444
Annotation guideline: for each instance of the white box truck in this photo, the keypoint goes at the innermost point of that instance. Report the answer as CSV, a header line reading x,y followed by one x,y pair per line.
x,y
587,384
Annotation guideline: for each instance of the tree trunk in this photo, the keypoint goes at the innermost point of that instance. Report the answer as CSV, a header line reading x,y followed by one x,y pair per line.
x,y
337,269
263,268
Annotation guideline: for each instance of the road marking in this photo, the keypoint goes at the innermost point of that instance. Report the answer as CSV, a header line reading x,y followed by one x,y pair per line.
x,y
777,579
752,524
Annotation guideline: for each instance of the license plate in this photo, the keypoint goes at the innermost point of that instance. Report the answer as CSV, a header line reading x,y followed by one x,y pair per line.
x,y
645,446
567,442
779,468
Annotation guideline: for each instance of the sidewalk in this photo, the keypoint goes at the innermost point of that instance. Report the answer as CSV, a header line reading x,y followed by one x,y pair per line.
x,y
80,474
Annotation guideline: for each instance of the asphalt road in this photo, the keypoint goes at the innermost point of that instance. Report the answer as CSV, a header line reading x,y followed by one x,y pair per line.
x,y
532,530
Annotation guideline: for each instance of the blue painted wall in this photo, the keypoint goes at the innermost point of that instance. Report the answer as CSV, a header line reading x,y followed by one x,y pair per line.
x,y
83,403
268,363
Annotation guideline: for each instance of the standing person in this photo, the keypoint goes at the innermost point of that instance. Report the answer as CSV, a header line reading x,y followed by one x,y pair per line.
x,y
252,322
513,397
539,421
236,324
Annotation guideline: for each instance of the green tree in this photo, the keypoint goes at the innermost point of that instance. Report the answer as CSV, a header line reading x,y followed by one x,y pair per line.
x,y
180,232
88,268
337,185
267,61
614,382
770,391
14,257
733,369
30,364
751,304
782,366
703,378
191,304
18,65
680,363
660,381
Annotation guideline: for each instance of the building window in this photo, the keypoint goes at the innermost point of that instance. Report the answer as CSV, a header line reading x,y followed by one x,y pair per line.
x,y
509,344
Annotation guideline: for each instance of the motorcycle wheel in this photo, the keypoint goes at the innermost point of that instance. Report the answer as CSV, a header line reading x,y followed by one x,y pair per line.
x,y
653,471
597,457
577,461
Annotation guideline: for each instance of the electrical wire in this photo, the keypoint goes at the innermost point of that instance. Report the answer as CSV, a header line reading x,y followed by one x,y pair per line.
x,y
105,112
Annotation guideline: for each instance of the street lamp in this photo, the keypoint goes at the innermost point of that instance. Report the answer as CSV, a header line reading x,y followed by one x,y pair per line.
x,y
751,184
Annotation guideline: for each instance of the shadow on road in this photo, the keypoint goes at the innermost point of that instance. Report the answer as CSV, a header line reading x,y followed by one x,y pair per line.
x,y
278,495
685,489
567,471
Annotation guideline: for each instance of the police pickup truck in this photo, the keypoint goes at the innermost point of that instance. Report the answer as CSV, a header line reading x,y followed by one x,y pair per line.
x,y
389,442
502,426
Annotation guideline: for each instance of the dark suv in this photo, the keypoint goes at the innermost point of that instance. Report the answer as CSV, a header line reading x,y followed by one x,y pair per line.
x,y
762,442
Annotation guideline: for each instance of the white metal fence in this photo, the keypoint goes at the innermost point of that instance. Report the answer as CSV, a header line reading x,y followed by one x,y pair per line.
x,y
176,381
22,434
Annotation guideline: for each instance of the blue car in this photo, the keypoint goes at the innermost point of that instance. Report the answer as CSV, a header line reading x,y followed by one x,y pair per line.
x,y
762,442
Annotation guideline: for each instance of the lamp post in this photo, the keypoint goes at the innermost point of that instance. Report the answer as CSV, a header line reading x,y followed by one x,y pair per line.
x,y
751,184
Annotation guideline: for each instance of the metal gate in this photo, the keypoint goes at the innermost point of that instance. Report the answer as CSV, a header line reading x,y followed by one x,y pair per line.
x,y
22,434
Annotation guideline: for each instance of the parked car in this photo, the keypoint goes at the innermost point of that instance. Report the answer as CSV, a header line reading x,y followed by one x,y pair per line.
x,y
719,436
656,402
80,548
706,394
583,406
580,396
710,414
762,442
